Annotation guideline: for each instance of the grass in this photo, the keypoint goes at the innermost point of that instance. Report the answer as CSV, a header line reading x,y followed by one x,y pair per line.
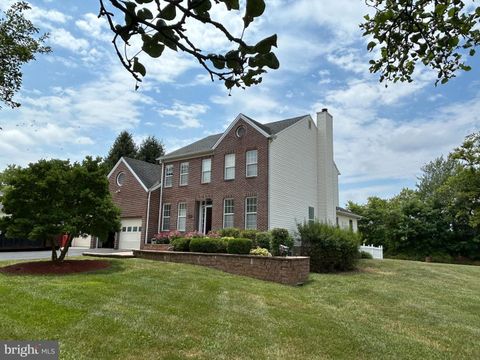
x,y
144,309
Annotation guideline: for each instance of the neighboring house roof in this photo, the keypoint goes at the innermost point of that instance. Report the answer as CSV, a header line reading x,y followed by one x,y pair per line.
x,y
147,174
206,144
346,212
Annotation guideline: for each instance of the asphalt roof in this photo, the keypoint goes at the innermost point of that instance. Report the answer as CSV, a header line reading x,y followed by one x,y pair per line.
x,y
148,173
207,143
345,211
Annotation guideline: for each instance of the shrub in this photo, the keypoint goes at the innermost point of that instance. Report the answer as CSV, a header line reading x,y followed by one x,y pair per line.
x,y
365,255
208,245
330,248
239,246
213,234
248,234
181,244
280,237
230,232
263,240
260,252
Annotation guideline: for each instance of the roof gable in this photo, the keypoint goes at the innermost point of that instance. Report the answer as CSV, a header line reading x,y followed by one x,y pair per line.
x,y
147,174
249,121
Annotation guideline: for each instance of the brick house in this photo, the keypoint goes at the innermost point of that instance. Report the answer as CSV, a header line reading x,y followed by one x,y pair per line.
x,y
251,176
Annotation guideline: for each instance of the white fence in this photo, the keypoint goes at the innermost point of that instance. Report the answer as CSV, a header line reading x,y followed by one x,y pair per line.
x,y
376,252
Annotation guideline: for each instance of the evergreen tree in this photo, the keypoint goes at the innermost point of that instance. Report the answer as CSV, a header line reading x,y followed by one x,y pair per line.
x,y
123,146
150,150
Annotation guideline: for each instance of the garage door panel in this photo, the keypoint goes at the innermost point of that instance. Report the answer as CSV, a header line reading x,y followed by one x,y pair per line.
x,y
130,234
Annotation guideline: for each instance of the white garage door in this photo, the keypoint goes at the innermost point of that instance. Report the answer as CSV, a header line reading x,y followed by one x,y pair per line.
x,y
130,234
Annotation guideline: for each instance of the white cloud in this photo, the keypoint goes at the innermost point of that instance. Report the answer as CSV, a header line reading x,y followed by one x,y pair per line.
x,y
65,39
187,115
94,27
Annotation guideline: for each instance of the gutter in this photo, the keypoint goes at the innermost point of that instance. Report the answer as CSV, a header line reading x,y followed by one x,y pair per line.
x,y
184,156
160,201
148,217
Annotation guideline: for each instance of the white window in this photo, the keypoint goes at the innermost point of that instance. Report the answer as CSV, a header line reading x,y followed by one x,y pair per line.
x,y
168,175
229,166
120,178
228,212
311,214
184,174
166,217
251,213
182,217
251,161
206,170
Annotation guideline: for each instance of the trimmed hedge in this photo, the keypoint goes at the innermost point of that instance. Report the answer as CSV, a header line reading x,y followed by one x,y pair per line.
x,y
280,237
330,248
248,234
239,246
263,240
181,244
208,245
229,232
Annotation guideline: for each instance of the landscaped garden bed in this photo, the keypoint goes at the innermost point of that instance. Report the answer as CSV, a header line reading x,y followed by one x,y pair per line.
x,y
55,268
291,270
241,252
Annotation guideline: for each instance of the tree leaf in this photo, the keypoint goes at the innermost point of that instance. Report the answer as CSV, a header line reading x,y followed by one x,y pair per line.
x,y
169,12
145,14
264,46
138,67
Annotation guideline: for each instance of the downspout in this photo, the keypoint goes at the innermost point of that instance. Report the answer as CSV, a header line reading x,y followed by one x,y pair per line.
x,y
148,216
160,219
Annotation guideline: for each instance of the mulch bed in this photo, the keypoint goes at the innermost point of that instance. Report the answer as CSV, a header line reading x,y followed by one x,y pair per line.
x,y
53,268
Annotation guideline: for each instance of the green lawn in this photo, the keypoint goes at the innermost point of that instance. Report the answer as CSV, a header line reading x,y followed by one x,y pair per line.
x,y
144,309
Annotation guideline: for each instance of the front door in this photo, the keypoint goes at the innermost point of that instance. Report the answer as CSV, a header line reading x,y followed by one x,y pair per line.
x,y
205,216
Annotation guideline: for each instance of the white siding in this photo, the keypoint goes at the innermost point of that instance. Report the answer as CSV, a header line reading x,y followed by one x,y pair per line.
x,y
292,175
326,169
344,222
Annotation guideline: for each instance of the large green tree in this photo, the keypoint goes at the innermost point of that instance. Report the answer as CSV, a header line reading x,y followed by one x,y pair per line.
x,y
440,217
438,34
122,146
150,150
54,197
19,43
163,25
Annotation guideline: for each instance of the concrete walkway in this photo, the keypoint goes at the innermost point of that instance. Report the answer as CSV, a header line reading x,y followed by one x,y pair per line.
x,y
46,254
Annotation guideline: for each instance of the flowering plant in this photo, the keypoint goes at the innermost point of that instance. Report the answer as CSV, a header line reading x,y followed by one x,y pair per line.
x,y
165,237
193,234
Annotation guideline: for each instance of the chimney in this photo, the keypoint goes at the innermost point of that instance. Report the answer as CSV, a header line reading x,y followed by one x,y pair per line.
x,y
325,167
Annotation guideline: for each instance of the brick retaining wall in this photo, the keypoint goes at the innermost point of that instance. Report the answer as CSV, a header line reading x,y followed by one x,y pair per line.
x,y
157,247
284,270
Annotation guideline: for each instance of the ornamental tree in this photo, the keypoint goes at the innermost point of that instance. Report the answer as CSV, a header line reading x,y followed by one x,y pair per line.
x,y
54,197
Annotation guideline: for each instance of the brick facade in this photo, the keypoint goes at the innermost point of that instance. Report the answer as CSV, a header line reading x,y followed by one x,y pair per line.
x,y
219,189
284,270
131,197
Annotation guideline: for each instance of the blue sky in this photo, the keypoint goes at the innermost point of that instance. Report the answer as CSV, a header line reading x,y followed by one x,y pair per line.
x,y
76,100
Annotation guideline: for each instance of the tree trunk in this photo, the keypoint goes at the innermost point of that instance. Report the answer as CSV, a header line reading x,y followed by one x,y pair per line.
x,y
54,251
63,253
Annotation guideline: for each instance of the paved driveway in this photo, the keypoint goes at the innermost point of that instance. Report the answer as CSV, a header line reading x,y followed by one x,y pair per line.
x,y
46,254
